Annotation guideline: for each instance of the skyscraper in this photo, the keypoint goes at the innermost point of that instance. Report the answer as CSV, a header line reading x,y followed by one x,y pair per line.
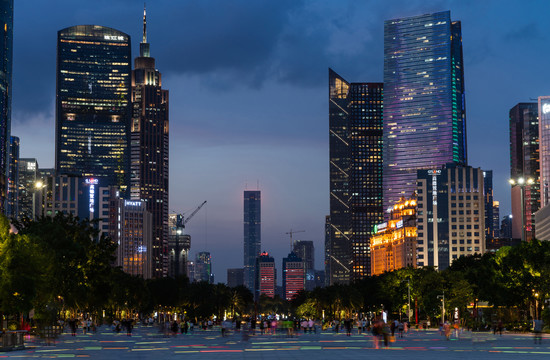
x,y
252,235
488,197
524,163
355,140
178,246
305,250
6,59
293,276
424,107
203,267
266,276
450,215
12,204
28,175
92,103
149,150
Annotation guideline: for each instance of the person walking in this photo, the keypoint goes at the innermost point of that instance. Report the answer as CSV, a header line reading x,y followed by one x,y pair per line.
x,y
537,330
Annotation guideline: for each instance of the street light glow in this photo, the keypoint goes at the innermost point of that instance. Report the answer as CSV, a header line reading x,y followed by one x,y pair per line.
x,y
38,184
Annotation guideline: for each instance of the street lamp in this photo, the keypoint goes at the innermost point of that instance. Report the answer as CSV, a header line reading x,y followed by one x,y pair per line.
x,y
522,183
38,186
442,297
409,295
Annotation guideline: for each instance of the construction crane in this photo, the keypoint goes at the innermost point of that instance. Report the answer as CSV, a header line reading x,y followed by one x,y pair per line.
x,y
291,232
181,221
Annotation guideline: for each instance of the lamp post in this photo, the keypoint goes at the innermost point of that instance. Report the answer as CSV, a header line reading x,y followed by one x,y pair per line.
x,y
409,299
522,182
442,297
38,186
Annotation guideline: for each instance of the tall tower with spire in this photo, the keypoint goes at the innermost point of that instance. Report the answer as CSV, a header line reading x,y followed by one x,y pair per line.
x,y
149,149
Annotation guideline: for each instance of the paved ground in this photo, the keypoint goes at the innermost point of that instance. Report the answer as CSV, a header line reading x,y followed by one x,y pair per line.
x,y
147,343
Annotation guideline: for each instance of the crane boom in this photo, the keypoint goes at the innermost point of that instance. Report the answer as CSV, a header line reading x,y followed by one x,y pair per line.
x,y
192,214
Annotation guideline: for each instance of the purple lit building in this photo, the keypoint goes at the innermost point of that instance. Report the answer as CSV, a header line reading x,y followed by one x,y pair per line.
x,y
424,108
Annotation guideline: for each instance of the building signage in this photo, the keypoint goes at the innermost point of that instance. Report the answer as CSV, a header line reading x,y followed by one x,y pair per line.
x,y
92,198
380,227
113,37
132,203
434,172
91,181
545,108
399,224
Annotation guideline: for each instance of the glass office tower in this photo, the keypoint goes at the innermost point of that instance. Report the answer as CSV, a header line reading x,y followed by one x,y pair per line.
x,y
424,107
355,150
524,162
149,150
92,105
6,59
252,235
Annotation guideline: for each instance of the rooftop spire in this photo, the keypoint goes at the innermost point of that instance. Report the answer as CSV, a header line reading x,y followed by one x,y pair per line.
x,y
144,24
144,46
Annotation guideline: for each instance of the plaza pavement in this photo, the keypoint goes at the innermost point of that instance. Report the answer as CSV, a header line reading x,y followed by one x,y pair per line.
x,y
148,343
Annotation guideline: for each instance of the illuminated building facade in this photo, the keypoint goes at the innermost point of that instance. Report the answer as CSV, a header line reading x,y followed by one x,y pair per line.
x,y
293,276
488,197
266,276
131,228
424,106
87,198
12,204
149,150
28,175
544,148
178,246
450,215
92,103
496,219
524,162
6,61
394,244
355,151
252,235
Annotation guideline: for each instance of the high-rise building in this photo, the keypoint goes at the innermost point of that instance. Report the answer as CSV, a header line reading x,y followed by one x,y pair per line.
x,y
130,228
92,104
496,219
524,163
305,250
6,60
320,278
394,244
488,197
266,276
178,246
293,276
450,215
252,235
149,150
506,227
355,150
544,148
424,106
203,267
12,204
28,176
235,277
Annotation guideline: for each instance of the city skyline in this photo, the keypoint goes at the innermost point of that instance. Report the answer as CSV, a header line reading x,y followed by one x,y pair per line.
x,y
286,147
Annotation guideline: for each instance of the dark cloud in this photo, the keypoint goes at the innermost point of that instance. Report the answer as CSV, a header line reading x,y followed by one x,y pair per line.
x,y
527,32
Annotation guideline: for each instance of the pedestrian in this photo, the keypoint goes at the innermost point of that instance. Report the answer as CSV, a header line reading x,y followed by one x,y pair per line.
x,y
174,328
129,326
348,325
73,326
400,329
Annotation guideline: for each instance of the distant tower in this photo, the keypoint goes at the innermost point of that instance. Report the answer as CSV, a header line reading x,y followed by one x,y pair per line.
x,y
92,103
6,59
306,251
149,150
252,235
28,175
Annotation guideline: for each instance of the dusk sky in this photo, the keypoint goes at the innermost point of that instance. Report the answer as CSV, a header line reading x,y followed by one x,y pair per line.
x,y
248,85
